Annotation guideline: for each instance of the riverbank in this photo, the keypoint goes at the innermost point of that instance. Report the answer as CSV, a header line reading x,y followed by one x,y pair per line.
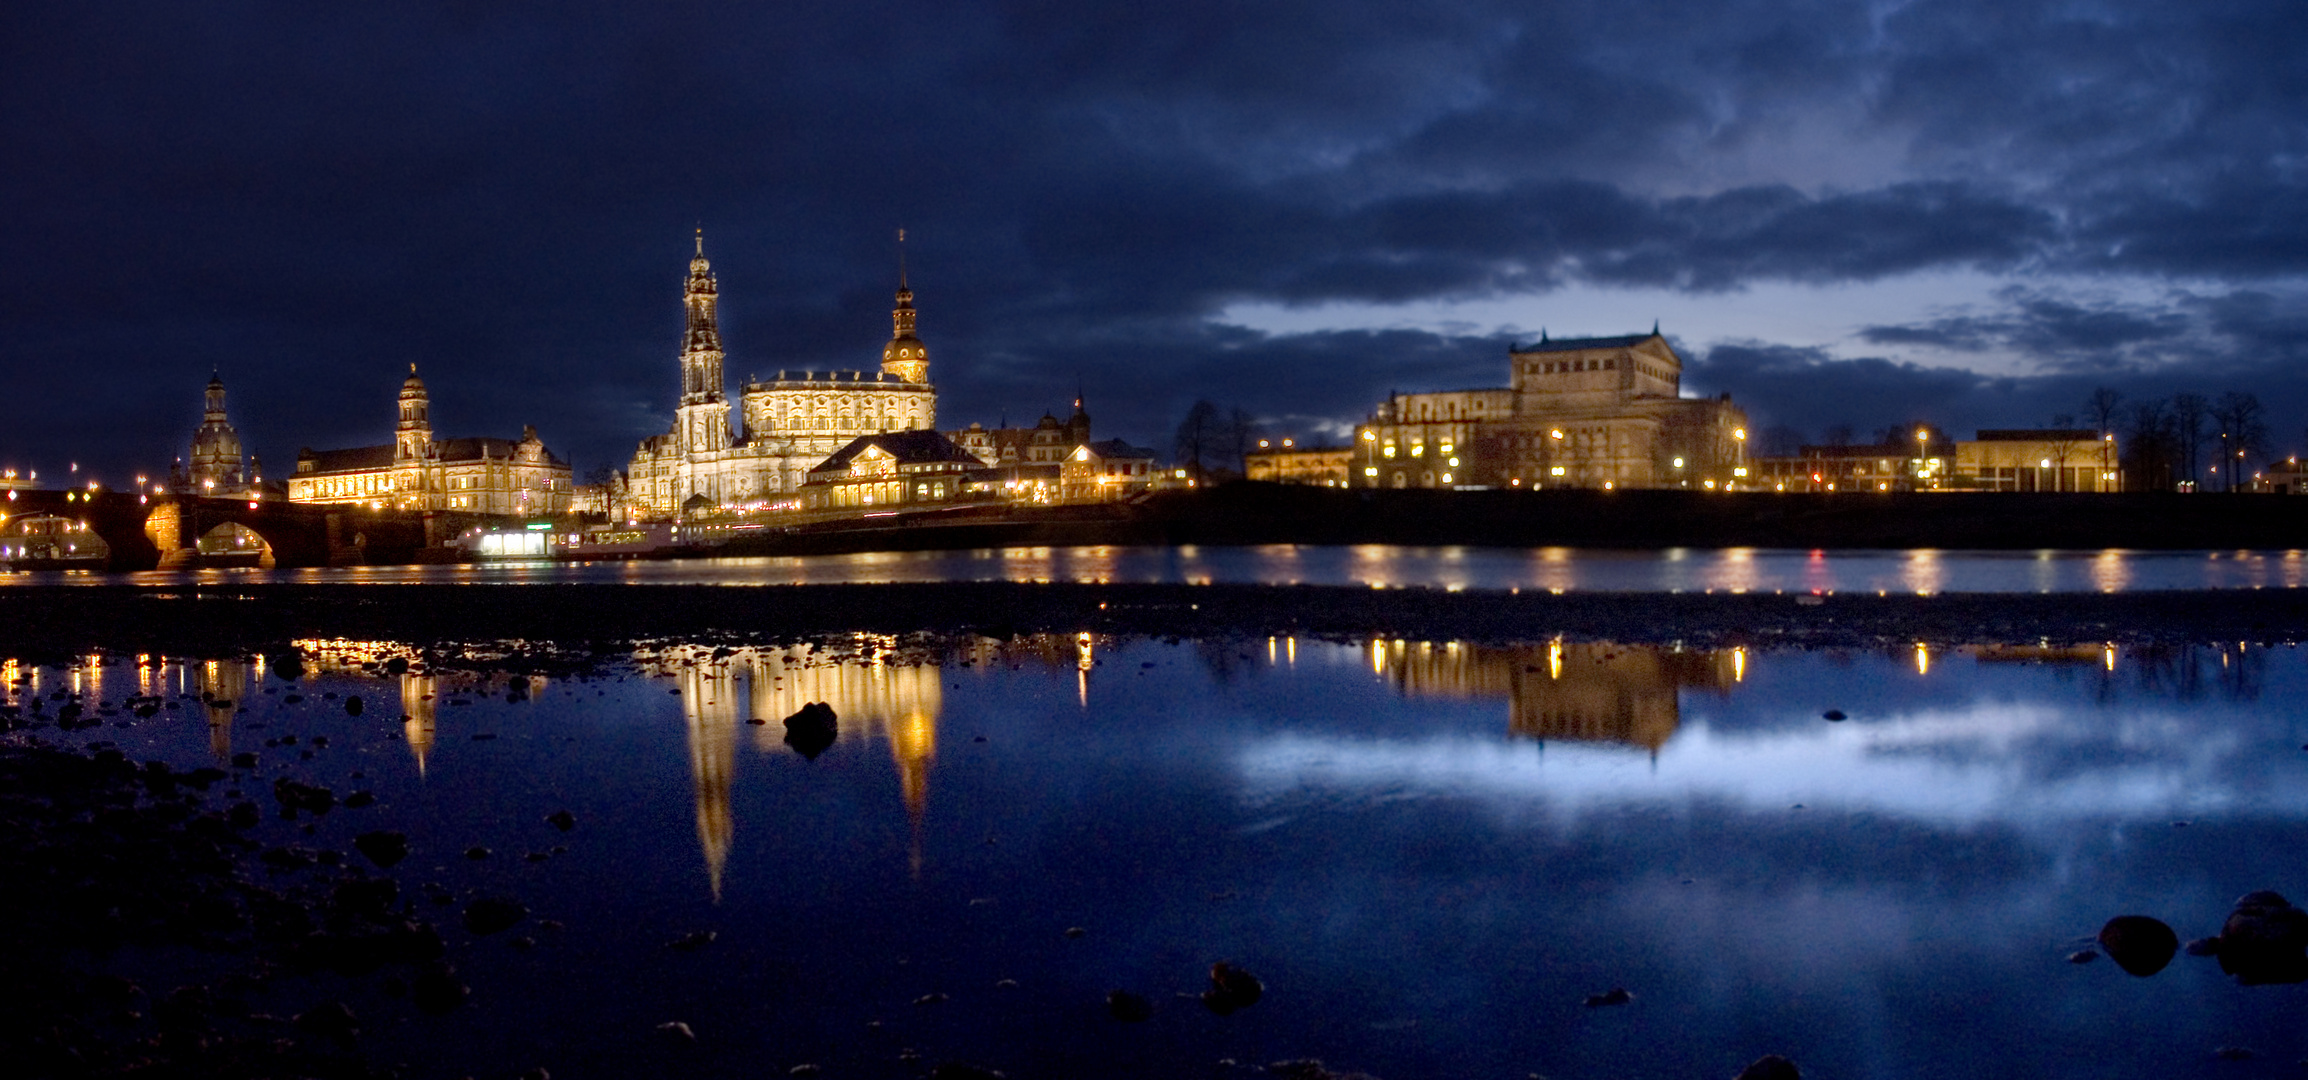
x,y
1261,513
59,622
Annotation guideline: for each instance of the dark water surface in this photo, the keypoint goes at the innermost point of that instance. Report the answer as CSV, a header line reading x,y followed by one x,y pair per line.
x,y
1733,570
1430,852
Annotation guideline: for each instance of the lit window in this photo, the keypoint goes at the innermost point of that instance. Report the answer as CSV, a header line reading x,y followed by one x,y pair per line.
x,y
1556,471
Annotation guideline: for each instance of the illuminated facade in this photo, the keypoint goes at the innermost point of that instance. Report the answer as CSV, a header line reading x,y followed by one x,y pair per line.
x,y
786,425
1586,412
901,468
1105,471
1320,466
418,472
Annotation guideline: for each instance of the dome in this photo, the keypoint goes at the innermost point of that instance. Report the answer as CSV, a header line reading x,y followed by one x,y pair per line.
x,y
412,385
904,347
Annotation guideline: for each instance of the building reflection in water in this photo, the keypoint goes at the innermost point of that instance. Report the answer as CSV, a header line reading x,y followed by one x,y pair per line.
x,y
1577,691
874,696
420,703
223,685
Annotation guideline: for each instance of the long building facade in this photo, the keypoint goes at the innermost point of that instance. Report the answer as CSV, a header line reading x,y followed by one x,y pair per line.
x,y
785,426
1586,412
419,472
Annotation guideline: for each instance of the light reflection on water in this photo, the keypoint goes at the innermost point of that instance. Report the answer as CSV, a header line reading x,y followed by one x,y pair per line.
x,y
1733,570
1430,850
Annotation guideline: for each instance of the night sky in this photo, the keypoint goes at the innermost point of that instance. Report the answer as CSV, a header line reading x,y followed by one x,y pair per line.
x,y
1969,213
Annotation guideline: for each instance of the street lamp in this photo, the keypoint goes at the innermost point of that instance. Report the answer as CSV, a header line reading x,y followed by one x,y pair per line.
x,y
1922,451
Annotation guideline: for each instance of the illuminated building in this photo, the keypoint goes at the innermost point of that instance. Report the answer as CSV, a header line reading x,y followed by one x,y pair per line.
x,y
419,472
901,468
1048,442
1104,471
2038,460
1587,412
786,425
1318,466
215,466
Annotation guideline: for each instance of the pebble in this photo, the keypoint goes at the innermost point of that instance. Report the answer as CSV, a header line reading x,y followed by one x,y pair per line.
x,y
1127,1007
562,820
1616,995
1770,1067
476,852
1075,931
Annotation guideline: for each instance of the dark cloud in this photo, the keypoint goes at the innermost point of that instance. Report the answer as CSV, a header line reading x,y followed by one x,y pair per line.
x,y
310,197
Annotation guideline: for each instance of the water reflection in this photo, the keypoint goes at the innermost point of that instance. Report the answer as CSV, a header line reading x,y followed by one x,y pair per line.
x,y
1576,691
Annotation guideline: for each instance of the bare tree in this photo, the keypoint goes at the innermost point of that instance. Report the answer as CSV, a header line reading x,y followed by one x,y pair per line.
x,y
2101,408
2064,444
1198,437
2189,412
1837,435
1240,435
2243,431
2151,449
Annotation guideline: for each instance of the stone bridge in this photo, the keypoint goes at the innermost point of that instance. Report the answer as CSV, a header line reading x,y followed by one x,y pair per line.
x,y
146,532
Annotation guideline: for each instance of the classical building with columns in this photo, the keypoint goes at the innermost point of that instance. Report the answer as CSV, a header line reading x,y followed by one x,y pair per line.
x,y
419,472
1603,412
785,426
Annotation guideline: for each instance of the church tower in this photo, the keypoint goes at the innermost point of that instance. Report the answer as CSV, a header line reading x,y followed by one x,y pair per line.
x,y
413,435
216,461
703,424
905,357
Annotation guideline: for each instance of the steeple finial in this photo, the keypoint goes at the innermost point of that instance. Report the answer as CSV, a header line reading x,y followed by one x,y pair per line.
x,y
1654,328
901,260
701,241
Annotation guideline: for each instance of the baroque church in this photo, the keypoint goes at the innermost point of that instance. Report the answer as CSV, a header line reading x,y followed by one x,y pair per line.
x,y
785,426
216,467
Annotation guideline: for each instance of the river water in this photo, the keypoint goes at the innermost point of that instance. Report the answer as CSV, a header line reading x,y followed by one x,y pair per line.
x,y
1430,852
1734,570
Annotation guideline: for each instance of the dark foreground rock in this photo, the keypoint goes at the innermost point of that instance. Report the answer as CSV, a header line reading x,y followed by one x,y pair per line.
x,y
2265,941
2139,944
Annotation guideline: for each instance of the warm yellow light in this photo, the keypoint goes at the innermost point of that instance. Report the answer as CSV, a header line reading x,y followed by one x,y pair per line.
x,y
1740,471
1369,436
1739,433
1370,470
1262,444
1454,463
1678,463
1556,471
1608,485
1417,449
1555,434
1446,478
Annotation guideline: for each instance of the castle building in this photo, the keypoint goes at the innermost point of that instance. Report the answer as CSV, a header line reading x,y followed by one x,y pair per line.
x,y
1587,412
786,425
419,472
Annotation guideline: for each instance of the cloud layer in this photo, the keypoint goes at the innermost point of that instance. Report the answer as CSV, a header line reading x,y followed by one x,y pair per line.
x,y
309,198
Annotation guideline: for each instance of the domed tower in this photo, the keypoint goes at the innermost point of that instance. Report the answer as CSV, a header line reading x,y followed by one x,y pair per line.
x,y
216,460
413,435
703,423
1078,425
905,356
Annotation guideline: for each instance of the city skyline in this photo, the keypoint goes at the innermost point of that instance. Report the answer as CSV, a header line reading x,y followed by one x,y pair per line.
x,y
1967,215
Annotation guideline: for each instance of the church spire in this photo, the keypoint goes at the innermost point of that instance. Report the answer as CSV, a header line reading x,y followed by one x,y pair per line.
x,y
905,357
701,342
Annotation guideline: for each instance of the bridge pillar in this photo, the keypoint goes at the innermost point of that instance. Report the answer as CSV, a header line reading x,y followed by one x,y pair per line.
x,y
345,543
165,527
